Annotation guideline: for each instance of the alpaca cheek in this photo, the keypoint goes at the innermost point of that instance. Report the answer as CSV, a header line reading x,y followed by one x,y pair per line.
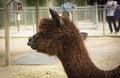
x,y
42,46
55,49
45,50
51,51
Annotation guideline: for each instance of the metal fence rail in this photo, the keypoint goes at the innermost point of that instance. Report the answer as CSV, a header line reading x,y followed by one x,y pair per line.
x,y
89,19
27,14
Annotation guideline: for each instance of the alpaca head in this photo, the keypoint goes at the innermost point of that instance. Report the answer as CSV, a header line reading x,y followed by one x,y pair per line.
x,y
48,39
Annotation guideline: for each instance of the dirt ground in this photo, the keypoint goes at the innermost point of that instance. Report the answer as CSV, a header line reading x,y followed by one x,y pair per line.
x,y
104,51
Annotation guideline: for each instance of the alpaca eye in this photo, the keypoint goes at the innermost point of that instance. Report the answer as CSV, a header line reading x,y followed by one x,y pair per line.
x,y
48,34
44,24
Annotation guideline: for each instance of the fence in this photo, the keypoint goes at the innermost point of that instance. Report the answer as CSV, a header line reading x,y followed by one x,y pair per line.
x,y
85,13
89,18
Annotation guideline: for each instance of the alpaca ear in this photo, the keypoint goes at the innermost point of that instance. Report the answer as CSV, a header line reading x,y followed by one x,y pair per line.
x,y
57,18
65,14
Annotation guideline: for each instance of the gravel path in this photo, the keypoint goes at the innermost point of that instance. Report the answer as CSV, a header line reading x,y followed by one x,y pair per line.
x,y
104,51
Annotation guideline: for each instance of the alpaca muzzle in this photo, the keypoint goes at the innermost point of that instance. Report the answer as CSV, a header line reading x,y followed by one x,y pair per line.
x,y
32,43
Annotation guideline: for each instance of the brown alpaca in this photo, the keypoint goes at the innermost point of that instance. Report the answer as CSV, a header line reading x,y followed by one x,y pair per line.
x,y
60,37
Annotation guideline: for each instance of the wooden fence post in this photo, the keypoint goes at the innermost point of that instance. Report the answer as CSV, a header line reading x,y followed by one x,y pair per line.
x,y
6,26
37,14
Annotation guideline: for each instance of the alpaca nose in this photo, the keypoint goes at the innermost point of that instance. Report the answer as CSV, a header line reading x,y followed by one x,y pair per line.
x,y
29,41
36,35
32,43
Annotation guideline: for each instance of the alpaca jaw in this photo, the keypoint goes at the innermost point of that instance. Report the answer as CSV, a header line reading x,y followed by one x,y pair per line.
x,y
32,42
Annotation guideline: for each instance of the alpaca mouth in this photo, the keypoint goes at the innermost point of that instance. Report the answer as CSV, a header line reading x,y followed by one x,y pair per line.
x,y
32,44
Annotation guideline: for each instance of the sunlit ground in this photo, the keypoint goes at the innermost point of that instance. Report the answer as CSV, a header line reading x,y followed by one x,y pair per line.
x,y
104,51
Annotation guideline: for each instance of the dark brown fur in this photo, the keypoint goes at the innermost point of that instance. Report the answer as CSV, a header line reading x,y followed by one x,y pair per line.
x,y
60,37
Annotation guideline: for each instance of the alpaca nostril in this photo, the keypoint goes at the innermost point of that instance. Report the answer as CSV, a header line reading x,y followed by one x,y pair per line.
x,y
28,43
30,40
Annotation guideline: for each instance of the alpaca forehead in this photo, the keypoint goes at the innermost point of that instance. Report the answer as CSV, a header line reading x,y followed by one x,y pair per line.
x,y
49,27
47,23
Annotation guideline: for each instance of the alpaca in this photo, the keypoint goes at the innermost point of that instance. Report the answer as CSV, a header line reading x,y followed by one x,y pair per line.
x,y
60,37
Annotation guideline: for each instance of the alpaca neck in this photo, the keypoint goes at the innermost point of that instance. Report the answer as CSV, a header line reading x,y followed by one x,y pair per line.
x,y
79,65
76,67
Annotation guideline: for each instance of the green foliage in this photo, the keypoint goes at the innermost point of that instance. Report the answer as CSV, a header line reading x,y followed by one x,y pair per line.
x,y
76,2
44,2
57,2
1,3
32,2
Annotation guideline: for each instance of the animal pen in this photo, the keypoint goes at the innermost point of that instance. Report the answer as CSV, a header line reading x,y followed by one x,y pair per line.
x,y
90,19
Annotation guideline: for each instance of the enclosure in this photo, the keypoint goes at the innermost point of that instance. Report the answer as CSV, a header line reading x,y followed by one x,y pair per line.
x,y
87,18
103,47
104,51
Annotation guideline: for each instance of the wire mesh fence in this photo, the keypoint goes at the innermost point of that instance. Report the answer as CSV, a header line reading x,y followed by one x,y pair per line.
x,y
89,19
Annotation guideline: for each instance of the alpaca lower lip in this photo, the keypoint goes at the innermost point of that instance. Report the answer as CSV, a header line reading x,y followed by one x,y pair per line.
x,y
34,47
38,51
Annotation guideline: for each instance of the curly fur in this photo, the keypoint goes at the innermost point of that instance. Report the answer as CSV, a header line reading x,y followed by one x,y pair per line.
x,y
68,45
